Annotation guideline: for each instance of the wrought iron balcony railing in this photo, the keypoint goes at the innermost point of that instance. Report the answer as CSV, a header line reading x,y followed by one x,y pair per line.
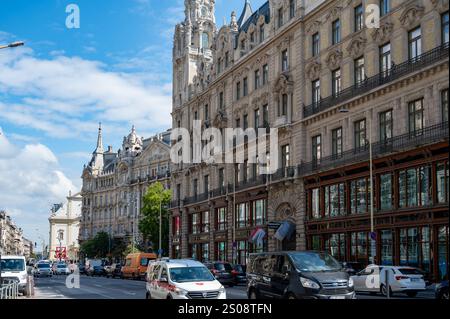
x,y
428,135
396,72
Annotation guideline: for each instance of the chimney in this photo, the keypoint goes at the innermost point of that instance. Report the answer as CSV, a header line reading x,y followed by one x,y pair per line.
x,y
110,149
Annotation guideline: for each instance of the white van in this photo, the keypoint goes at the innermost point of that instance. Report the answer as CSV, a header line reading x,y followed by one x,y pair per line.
x,y
182,279
14,268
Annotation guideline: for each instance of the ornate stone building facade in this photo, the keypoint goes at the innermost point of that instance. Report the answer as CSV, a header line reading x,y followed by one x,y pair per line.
x,y
114,184
11,236
332,86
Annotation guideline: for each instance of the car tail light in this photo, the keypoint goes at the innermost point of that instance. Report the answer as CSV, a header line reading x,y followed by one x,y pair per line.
x,y
401,277
215,271
234,272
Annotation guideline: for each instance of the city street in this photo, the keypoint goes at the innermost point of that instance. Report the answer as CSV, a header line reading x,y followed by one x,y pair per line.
x,y
107,288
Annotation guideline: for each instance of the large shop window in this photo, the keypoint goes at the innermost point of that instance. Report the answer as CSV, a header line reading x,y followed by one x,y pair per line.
x,y
241,250
387,247
335,244
221,218
315,203
335,200
259,212
442,180
200,223
443,247
200,252
415,247
242,214
360,195
415,187
386,194
221,252
360,247
176,226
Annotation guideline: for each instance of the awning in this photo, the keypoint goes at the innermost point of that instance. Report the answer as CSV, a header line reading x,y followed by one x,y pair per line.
x,y
285,231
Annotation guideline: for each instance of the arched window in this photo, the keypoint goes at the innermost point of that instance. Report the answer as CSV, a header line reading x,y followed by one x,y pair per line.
x,y
205,40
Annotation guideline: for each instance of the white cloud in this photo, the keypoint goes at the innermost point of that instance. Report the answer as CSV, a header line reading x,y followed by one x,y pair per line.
x,y
30,182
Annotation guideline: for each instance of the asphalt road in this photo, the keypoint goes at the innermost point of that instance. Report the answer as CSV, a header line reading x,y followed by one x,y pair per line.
x,y
103,288
108,288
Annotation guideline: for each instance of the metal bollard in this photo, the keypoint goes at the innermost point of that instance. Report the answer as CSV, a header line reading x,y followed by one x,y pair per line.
x,y
388,290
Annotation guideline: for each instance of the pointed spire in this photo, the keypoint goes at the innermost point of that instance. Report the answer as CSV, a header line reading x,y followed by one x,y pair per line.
x,y
99,148
246,13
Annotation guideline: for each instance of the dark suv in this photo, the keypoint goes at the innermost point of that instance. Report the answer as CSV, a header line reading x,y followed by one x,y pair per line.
x,y
296,275
222,271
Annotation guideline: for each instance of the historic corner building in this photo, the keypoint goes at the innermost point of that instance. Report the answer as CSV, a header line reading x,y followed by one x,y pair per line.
x,y
114,184
333,87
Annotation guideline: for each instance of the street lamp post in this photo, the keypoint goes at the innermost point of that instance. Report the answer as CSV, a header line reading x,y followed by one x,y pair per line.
x,y
160,228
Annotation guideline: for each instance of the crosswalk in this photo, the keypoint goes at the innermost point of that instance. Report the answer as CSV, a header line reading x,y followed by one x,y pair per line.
x,y
46,293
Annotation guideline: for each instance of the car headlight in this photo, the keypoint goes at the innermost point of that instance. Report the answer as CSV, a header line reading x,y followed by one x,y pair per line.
x,y
180,292
350,282
222,290
308,283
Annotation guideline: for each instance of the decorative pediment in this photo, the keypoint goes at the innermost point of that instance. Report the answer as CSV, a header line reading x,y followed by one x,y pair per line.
x,y
282,83
334,13
313,27
334,59
313,70
411,16
383,33
357,46
221,119
440,5
284,43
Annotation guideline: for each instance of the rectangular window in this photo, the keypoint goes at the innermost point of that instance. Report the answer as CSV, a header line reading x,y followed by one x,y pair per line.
x,y
444,105
385,59
285,156
316,92
257,79
386,193
316,149
284,105
335,245
415,43
205,222
336,82
195,187
284,61
291,9
245,118
176,226
415,116
257,120
359,195
227,59
360,134
360,73
386,126
315,203
221,178
206,112
280,17
238,90
442,180
252,37
259,212
359,18
261,33
265,115
385,7
265,74
336,142
360,247
242,214
221,254
415,187
315,44
196,223
221,101
444,27
241,249
387,248
245,88
336,31
206,183
221,218
335,200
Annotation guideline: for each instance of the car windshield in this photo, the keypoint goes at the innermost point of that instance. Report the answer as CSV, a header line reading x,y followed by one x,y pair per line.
x,y
314,261
62,266
409,271
12,265
190,274
40,266
223,267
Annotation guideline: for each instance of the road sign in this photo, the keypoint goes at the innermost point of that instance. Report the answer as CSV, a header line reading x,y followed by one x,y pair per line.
x,y
373,236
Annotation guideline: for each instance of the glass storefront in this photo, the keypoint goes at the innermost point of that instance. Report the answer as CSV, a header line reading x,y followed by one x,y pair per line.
x,y
442,252
387,246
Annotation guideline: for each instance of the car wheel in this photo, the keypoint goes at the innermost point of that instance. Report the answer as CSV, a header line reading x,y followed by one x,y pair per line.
x,y
291,296
444,295
169,297
148,296
411,294
383,290
252,294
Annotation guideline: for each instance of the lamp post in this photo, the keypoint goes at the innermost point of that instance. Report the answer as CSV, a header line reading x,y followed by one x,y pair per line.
x,y
160,228
372,224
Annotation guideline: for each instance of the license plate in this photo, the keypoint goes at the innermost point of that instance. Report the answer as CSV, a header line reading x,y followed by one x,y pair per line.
x,y
337,297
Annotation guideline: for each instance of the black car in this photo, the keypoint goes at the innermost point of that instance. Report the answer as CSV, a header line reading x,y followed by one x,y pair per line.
x,y
442,290
297,275
222,272
82,268
239,274
98,271
352,267
117,271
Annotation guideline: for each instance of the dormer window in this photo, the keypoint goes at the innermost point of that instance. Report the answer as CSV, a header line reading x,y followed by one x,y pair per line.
x,y
242,44
252,37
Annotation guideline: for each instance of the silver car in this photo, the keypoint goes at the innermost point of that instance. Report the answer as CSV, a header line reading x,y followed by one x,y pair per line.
x,y
43,270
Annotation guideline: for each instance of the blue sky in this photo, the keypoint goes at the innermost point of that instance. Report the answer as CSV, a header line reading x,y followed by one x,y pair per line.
x,y
115,69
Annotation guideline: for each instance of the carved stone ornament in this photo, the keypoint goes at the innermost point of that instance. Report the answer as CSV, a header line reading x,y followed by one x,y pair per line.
x,y
383,33
440,5
313,27
357,46
334,13
411,16
282,84
334,59
313,70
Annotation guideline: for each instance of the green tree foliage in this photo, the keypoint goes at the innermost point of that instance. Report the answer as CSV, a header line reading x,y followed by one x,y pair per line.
x,y
98,247
157,198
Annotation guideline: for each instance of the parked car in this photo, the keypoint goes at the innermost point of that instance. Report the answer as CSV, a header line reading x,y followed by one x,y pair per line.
x,y
81,268
108,270
136,265
442,290
182,279
401,279
14,268
91,264
352,267
297,275
43,270
97,271
117,270
222,272
62,269
239,274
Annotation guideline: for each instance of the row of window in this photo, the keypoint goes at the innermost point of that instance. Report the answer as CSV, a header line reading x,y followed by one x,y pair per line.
x,y
242,89
416,124
408,188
